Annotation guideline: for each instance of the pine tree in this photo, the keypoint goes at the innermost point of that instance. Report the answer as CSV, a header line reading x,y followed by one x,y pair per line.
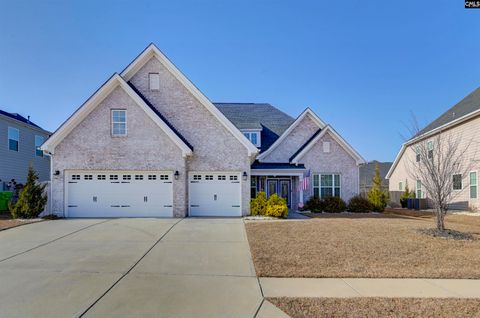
x,y
377,197
32,200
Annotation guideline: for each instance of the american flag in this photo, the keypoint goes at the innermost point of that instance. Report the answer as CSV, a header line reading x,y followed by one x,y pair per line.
x,y
306,180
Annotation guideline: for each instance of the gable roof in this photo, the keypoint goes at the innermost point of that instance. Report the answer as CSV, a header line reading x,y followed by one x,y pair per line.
x,y
342,142
465,109
257,116
83,111
307,112
152,51
305,144
20,118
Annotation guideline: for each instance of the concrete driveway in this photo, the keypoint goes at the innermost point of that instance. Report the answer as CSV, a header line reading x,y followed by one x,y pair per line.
x,y
128,268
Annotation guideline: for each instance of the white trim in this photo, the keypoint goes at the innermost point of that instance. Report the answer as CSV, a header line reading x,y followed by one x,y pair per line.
x,y
306,112
153,51
95,100
342,142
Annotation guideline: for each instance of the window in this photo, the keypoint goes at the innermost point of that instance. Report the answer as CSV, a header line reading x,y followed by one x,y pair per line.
x,y
164,177
13,138
253,187
473,185
222,178
430,149
154,81
127,177
326,185
208,177
233,178
457,182
138,177
417,153
88,177
113,177
38,142
101,177
253,136
75,177
119,122
326,146
152,177
400,186
419,189
197,177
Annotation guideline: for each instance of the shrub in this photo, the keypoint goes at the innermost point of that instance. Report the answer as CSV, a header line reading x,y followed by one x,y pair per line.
x,y
359,204
32,199
277,206
407,194
334,205
314,204
258,206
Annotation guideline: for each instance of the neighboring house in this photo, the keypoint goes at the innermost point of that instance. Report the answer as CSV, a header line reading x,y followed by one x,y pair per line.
x,y
367,172
462,121
20,148
149,143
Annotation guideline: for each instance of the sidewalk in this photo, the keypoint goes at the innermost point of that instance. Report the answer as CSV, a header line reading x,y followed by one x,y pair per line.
x,y
370,287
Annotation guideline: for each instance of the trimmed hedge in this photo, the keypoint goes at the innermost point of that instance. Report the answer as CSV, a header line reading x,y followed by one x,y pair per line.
x,y
359,204
334,205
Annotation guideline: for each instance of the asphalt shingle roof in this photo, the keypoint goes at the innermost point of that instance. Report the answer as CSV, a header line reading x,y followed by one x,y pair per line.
x,y
271,120
19,118
467,105
305,144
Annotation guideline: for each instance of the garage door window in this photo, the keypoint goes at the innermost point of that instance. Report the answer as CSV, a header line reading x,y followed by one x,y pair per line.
x,y
76,177
152,177
222,177
101,177
233,178
164,177
138,177
127,177
197,177
88,177
208,177
113,177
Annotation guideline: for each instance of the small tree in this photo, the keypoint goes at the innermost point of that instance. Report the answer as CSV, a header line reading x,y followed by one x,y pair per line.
x,y
32,199
407,194
377,197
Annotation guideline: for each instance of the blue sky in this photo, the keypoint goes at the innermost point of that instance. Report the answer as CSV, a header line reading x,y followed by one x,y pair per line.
x,y
362,66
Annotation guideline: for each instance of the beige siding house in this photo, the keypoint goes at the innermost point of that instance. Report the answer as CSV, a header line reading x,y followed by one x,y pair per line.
x,y
149,143
462,122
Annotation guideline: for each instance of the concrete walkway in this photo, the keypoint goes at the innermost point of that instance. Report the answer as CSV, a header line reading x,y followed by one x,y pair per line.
x,y
370,287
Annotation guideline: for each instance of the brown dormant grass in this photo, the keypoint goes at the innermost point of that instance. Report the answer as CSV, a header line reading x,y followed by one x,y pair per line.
x,y
378,307
363,245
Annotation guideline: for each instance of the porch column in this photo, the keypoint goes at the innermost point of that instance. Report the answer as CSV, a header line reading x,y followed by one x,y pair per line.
x,y
300,188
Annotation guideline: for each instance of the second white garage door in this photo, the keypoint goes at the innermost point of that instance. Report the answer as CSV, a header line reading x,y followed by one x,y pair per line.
x,y
119,194
214,194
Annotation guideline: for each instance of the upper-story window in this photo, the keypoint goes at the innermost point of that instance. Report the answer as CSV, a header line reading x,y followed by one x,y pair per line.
x,y
119,122
430,149
417,154
154,81
38,142
13,138
253,136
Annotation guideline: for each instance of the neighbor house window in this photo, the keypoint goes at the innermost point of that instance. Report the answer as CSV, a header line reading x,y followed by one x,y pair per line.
x,y
400,186
419,189
13,138
430,149
417,153
253,136
119,122
38,142
473,185
154,81
326,185
457,182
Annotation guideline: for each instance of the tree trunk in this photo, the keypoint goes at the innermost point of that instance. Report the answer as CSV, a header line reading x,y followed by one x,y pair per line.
x,y
440,219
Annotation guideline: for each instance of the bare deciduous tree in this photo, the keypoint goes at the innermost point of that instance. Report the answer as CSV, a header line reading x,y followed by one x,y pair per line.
x,y
435,161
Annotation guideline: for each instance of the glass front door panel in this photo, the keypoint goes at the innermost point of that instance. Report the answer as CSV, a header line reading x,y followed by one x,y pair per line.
x,y
272,187
284,190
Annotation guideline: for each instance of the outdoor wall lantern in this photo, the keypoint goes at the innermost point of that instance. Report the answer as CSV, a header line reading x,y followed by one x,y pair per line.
x,y
57,173
176,174
244,176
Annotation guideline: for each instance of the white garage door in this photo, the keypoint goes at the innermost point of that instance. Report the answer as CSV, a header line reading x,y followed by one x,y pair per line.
x,y
214,194
119,194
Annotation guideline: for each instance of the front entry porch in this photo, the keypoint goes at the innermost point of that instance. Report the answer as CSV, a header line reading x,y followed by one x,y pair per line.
x,y
285,181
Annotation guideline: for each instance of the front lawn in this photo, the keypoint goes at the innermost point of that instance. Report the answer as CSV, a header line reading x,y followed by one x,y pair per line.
x,y
377,307
364,245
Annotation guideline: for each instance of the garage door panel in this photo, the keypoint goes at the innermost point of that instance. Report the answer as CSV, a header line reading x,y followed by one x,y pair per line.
x,y
214,194
120,194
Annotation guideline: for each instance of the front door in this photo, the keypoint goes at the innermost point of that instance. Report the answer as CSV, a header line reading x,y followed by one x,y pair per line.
x,y
280,187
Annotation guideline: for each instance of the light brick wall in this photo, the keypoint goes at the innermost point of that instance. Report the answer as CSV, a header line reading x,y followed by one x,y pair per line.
x,y
337,161
297,137
215,148
469,135
90,147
